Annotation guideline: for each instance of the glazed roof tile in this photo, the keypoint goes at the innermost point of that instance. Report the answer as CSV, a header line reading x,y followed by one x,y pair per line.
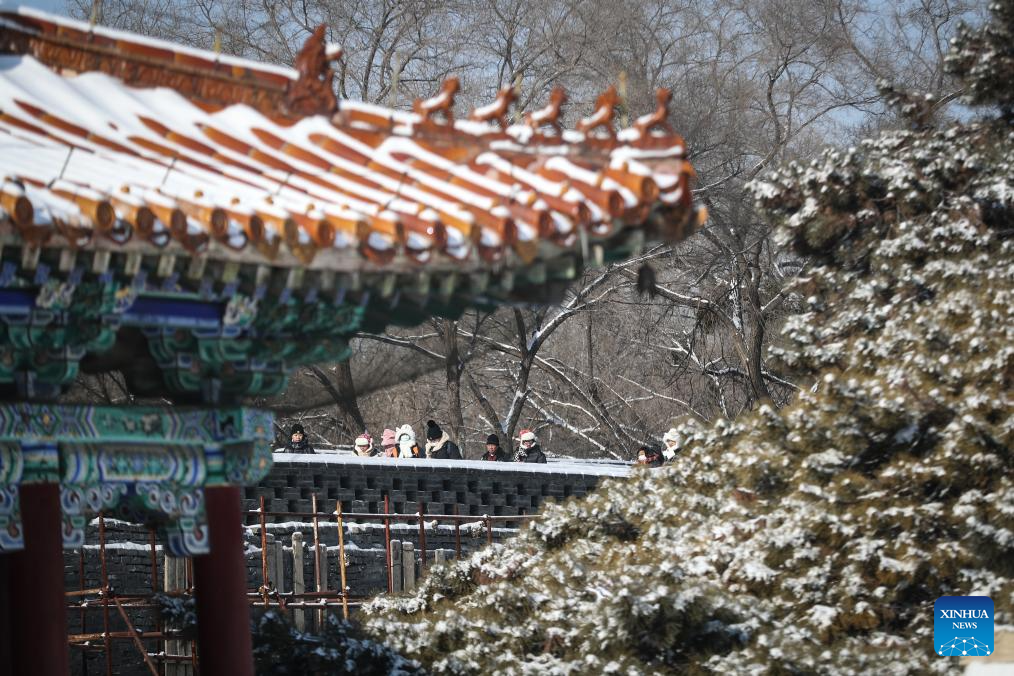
x,y
102,146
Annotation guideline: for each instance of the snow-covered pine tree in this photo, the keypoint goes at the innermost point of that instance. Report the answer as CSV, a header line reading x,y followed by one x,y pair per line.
x,y
814,539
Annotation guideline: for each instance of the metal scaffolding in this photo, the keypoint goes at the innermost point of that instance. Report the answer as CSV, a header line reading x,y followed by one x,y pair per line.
x,y
168,651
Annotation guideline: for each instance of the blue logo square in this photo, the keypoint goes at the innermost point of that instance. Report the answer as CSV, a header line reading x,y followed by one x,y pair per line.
x,y
963,626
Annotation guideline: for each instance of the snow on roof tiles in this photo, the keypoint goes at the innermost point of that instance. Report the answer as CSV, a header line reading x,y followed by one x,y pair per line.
x,y
192,149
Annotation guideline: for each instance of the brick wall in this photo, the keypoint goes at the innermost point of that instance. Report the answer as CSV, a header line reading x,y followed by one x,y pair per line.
x,y
473,487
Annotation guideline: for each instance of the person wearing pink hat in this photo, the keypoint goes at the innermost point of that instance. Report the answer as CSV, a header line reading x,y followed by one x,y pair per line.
x,y
388,443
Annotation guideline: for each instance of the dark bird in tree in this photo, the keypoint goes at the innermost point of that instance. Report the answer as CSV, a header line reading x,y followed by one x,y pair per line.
x,y
646,281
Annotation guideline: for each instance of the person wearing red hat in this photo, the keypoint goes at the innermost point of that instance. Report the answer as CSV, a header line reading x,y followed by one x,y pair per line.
x,y
528,448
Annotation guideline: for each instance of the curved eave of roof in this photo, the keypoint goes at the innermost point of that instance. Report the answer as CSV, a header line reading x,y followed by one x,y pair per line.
x,y
89,161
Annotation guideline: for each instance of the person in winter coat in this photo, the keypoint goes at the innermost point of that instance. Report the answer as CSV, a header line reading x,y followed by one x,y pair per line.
x,y
298,443
528,448
388,443
364,446
493,451
655,458
670,444
407,448
438,445
649,455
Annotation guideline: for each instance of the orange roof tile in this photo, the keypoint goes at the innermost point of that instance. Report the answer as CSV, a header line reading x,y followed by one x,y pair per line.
x,y
115,140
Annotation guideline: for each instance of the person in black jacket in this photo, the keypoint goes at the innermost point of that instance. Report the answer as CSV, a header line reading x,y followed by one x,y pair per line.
x,y
493,451
649,455
529,449
298,443
438,445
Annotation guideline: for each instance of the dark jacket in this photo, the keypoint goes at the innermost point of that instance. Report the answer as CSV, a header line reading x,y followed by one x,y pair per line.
x,y
447,450
533,454
302,447
498,455
652,456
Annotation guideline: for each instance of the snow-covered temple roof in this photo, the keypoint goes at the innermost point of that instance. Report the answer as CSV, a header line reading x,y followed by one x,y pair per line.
x,y
114,139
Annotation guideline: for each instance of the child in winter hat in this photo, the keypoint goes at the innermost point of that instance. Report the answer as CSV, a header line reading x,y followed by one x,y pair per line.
x,y
670,443
405,436
364,444
388,443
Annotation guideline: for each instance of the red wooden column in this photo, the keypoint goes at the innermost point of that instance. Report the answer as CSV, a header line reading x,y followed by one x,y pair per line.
x,y
6,666
37,612
223,612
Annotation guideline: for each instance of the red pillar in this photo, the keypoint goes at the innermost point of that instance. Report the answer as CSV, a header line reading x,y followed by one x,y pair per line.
x,y
37,610
6,667
223,612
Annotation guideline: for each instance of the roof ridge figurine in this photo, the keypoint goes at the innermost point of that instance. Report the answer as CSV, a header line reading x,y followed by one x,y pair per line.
x,y
441,102
550,113
313,93
659,117
605,112
498,109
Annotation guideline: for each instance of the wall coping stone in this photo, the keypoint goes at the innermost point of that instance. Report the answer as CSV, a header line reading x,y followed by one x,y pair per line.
x,y
563,467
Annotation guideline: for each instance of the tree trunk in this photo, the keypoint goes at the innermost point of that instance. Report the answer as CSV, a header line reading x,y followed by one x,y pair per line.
x,y
453,368
484,404
755,347
349,418
527,350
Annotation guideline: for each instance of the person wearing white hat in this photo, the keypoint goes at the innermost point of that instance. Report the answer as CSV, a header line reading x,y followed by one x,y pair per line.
x,y
670,444
364,445
407,448
528,448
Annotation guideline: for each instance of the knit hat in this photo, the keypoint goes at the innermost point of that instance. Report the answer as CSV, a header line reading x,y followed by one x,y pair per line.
x,y
493,439
527,435
671,435
296,429
387,438
433,431
364,439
